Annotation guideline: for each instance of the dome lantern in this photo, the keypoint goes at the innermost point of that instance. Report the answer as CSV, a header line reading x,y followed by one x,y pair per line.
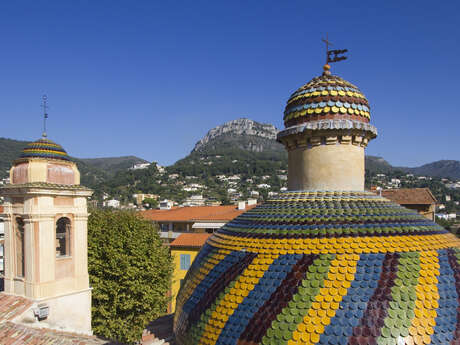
x,y
326,130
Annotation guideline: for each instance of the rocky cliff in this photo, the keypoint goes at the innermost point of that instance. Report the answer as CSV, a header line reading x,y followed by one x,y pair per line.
x,y
244,133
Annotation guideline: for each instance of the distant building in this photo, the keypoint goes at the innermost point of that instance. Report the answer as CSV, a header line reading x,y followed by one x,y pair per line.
x,y
166,204
446,216
139,166
139,198
417,199
112,203
199,219
263,185
195,200
183,250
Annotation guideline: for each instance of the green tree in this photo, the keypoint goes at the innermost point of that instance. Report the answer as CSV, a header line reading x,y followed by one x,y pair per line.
x,y
130,272
150,203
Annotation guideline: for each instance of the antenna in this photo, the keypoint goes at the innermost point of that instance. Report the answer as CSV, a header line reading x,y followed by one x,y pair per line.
x,y
45,113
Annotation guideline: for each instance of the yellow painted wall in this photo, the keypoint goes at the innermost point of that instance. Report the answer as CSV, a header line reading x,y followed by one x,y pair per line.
x,y
179,274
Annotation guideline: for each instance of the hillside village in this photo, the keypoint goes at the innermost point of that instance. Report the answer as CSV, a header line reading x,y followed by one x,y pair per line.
x,y
237,161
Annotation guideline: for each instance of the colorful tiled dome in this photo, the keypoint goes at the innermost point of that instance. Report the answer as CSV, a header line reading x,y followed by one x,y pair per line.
x,y
44,148
326,97
323,268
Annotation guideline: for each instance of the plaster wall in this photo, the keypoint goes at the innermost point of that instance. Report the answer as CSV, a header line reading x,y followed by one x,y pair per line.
x,y
41,170
45,274
67,312
179,274
326,167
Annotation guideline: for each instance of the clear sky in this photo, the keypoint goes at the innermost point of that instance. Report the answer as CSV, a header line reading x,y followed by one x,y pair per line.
x,y
150,78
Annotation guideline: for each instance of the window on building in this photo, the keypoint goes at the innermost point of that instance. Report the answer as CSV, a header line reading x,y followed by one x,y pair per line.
x,y
184,261
2,229
63,237
19,244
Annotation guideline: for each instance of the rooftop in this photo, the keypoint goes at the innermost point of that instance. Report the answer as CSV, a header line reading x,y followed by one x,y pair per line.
x,y
410,196
196,213
190,240
12,333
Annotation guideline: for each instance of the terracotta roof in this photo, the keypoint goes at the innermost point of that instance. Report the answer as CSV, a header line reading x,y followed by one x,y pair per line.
x,y
195,213
11,333
12,306
410,196
190,240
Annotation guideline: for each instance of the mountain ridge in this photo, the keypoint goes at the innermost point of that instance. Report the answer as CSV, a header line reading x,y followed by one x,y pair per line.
x,y
243,133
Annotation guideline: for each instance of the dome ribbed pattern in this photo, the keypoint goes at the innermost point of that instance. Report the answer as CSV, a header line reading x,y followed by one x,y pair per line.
x,y
326,97
44,148
323,268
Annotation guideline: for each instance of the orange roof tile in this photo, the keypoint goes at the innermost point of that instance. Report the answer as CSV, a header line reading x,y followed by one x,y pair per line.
x,y
190,240
195,213
410,196
11,333
12,306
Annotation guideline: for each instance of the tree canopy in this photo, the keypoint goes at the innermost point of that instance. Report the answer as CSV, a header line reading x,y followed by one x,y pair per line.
x,y
130,272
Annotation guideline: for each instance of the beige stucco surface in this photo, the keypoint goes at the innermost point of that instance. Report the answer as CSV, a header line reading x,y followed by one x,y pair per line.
x,y
60,282
326,167
43,170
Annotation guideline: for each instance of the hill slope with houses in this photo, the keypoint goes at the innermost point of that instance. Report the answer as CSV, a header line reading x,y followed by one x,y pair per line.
x,y
237,160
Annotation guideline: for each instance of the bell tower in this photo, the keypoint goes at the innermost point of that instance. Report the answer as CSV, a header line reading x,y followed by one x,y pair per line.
x,y
46,216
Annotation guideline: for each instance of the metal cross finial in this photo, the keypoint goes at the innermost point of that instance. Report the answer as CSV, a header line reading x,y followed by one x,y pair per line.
x,y
327,46
45,113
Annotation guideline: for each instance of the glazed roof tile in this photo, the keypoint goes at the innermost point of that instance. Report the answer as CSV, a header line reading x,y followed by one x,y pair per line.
x,y
324,98
44,148
195,213
323,267
190,240
410,196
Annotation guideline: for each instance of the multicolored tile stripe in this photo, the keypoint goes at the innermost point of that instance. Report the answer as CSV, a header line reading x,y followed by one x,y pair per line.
x,y
44,148
326,97
318,267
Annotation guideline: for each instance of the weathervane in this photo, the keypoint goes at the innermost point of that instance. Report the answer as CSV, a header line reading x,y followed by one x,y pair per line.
x,y
333,55
45,113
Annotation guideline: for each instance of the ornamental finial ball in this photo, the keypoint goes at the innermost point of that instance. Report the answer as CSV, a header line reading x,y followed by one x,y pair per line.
x,y
326,69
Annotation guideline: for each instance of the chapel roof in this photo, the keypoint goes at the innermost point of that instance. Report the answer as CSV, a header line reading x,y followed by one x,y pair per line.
x,y
44,148
326,97
319,267
410,196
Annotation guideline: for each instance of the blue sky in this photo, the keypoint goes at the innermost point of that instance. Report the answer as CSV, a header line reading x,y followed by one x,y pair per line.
x,y
150,78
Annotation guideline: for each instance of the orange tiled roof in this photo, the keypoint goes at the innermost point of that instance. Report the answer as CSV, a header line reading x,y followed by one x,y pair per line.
x,y
190,240
12,306
11,333
195,213
410,196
